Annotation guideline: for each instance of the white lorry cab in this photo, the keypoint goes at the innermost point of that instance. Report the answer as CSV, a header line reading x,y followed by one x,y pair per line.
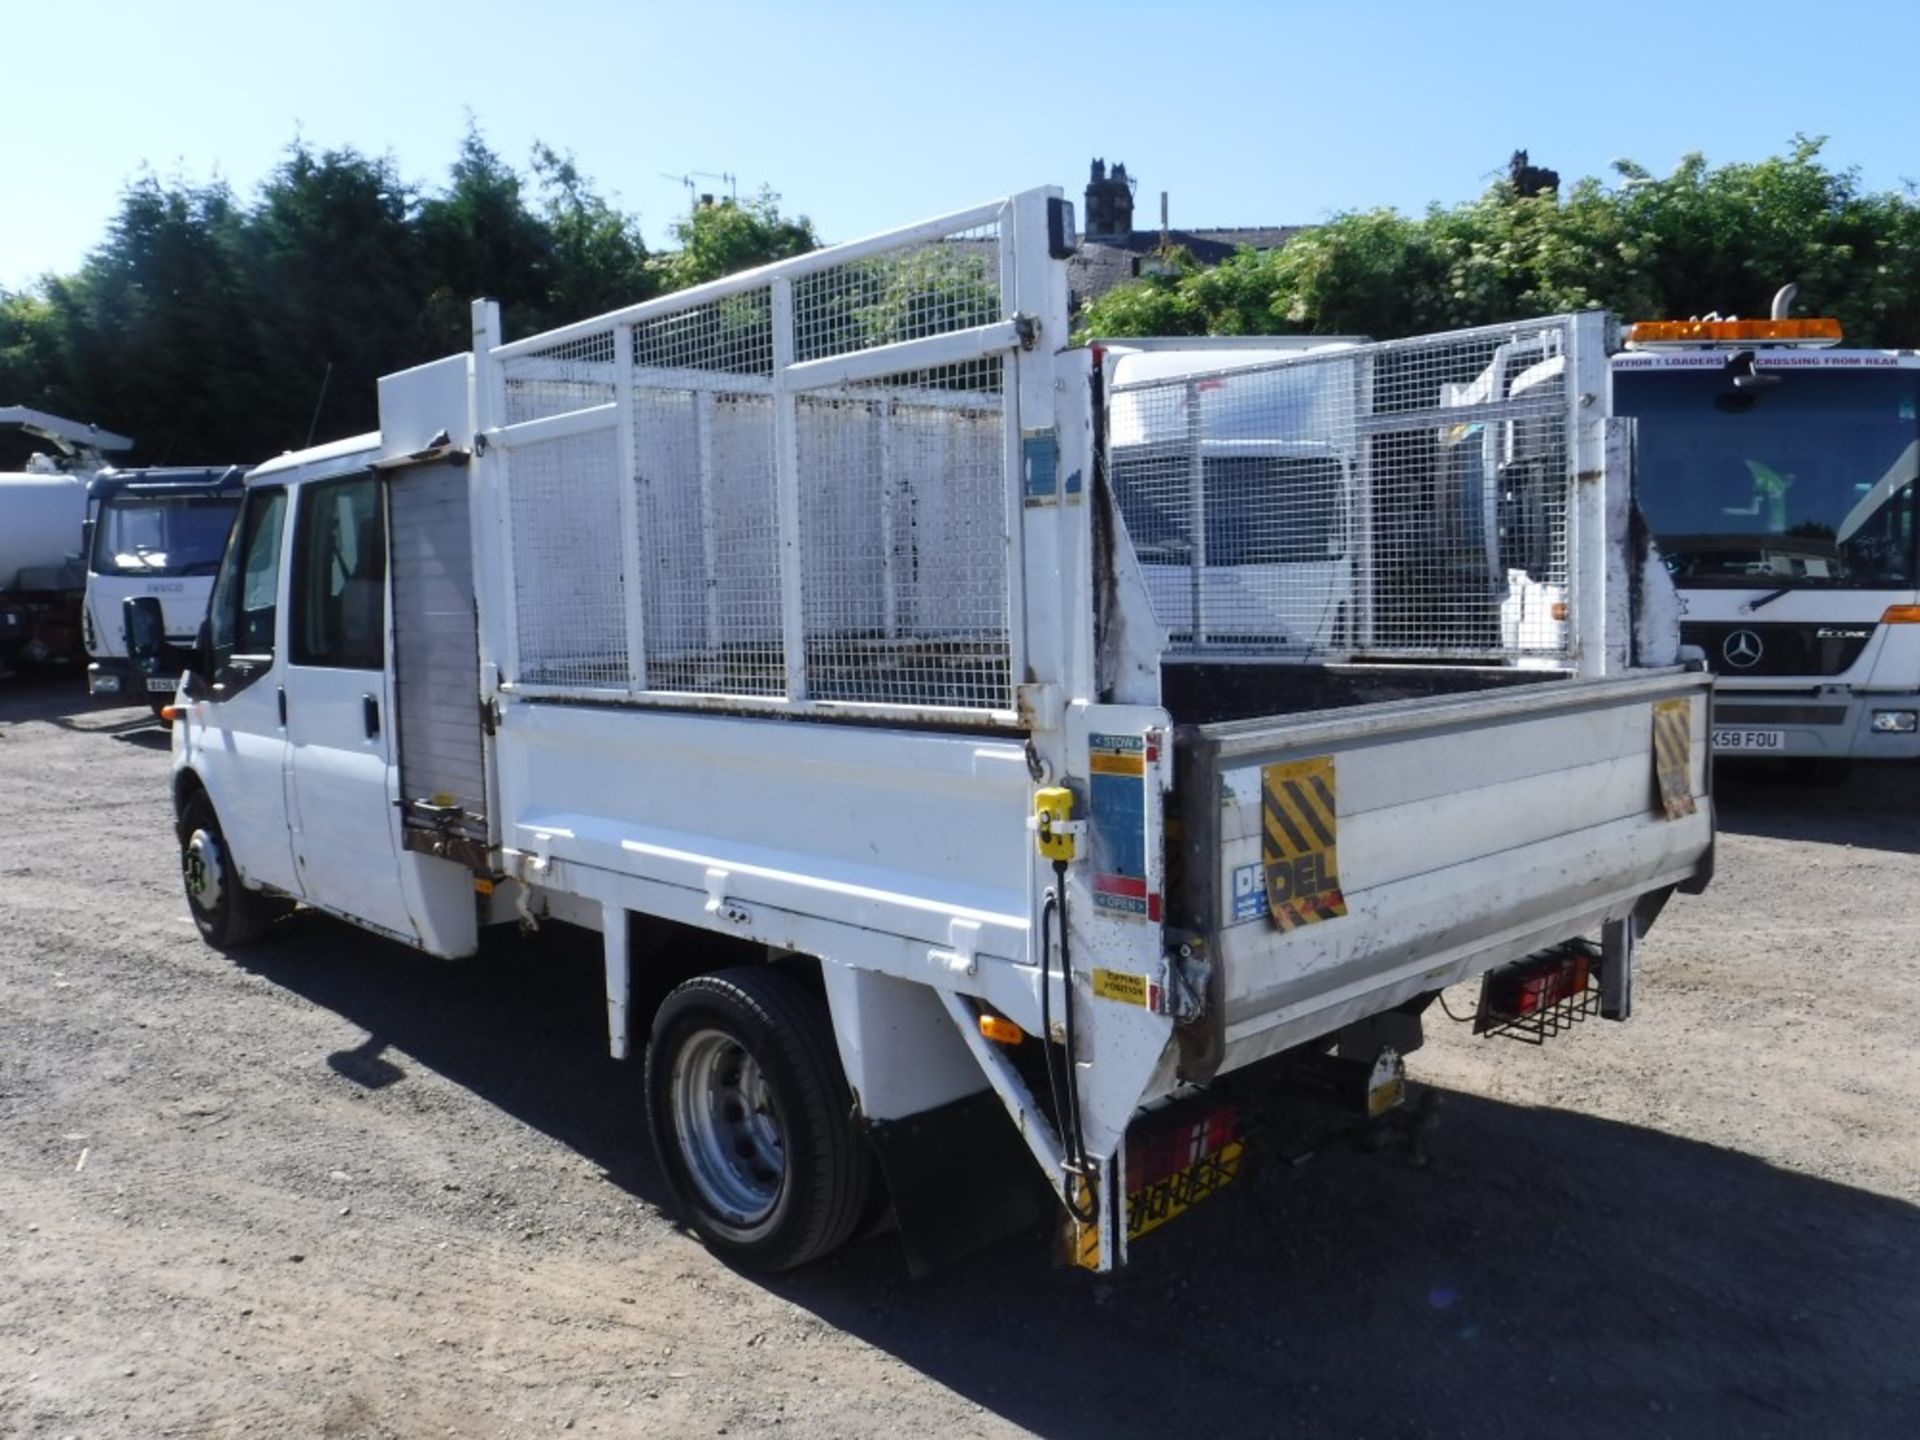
x,y
151,531
1778,471
800,634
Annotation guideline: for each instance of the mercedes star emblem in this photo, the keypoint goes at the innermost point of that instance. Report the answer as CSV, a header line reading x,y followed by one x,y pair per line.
x,y
1741,650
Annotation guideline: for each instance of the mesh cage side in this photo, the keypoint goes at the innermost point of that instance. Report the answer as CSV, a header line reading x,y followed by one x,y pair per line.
x,y
904,540
563,501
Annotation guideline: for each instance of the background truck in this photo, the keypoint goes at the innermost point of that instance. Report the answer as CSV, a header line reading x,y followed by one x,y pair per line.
x,y
1779,473
42,512
158,532
790,632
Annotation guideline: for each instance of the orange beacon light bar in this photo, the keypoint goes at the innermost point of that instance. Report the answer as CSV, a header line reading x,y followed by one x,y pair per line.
x,y
1676,334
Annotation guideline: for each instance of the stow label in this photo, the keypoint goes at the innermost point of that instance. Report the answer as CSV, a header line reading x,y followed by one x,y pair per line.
x,y
1672,750
1117,814
1298,850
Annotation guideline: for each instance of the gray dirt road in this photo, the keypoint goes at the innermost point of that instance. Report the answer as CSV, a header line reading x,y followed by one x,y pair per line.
x,y
338,1190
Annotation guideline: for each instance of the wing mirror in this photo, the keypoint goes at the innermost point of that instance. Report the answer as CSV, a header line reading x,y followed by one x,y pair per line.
x,y
150,651
146,630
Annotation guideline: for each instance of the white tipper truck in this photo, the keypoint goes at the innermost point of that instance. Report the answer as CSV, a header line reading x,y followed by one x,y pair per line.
x,y
790,632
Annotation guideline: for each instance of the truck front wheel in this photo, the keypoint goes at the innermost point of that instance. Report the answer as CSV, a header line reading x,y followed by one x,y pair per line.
x,y
752,1120
228,914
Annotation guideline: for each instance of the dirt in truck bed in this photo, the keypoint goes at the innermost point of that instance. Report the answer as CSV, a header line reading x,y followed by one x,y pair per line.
x,y
335,1189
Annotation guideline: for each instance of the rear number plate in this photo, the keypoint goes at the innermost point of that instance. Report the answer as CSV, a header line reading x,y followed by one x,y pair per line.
x,y
167,685
1175,1169
1749,740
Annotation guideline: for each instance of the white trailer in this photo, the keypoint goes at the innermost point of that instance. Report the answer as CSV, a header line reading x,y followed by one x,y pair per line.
x,y
788,631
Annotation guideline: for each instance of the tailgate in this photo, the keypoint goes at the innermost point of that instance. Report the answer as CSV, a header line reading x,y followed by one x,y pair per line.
x,y
1417,843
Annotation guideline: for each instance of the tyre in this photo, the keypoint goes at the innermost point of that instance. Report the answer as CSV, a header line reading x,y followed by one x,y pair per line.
x,y
229,915
752,1120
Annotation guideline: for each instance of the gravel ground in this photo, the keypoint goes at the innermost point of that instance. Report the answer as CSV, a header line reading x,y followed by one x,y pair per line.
x,y
340,1190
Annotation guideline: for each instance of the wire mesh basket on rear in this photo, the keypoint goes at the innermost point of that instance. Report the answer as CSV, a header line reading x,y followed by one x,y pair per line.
x,y
1401,500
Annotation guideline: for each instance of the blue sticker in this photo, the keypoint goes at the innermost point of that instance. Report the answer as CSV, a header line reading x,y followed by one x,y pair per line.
x,y
1040,458
1249,892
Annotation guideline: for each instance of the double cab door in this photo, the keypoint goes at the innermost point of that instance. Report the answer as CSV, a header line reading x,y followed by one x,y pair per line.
x,y
301,761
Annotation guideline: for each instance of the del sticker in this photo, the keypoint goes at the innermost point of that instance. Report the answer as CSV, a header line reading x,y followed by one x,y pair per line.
x,y
1249,892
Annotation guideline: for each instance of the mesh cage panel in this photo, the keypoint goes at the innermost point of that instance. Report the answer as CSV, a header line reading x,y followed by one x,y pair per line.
x,y
563,499
904,540
934,288
1406,499
710,541
575,375
724,509
732,335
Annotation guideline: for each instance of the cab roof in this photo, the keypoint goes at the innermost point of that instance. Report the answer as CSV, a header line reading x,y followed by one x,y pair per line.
x,y
167,480
331,458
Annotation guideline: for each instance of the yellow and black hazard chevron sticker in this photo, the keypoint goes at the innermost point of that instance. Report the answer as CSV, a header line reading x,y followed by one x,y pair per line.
x,y
1298,853
1672,755
1084,1247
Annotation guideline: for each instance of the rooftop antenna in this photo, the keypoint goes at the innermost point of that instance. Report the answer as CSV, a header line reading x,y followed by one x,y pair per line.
x,y
314,424
693,191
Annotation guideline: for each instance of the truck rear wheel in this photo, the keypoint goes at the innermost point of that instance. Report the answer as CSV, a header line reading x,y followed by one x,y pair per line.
x,y
752,1119
228,914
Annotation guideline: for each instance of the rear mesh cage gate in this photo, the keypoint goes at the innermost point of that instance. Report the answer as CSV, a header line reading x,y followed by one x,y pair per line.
x,y
1404,500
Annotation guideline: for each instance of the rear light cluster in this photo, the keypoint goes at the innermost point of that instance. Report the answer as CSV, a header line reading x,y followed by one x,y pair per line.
x,y
1538,997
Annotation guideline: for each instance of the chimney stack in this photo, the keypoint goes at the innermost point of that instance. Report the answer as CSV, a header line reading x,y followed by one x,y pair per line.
x,y
1109,203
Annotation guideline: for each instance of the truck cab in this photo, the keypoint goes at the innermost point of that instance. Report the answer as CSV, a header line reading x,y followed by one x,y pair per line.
x,y
157,532
1778,472
286,755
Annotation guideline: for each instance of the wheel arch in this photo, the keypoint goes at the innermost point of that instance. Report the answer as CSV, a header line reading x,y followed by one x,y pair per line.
x,y
186,785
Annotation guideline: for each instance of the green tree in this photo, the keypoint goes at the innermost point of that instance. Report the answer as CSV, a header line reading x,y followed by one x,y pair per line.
x,y
138,338
333,290
1701,239
598,260
214,329
731,235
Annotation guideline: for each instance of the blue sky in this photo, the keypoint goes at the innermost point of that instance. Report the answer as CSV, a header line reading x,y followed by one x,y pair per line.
x,y
865,115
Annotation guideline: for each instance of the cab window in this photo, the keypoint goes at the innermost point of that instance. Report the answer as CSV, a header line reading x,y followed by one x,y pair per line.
x,y
245,601
339,576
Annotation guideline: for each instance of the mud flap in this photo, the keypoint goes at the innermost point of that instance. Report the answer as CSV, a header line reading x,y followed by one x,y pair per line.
x,y
960,1178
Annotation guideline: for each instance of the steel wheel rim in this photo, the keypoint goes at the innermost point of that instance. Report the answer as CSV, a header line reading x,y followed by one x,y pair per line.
x,y
200,862
728,1129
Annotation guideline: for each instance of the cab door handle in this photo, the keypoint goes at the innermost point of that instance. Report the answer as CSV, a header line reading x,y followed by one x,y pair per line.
x,y
370,712
283,706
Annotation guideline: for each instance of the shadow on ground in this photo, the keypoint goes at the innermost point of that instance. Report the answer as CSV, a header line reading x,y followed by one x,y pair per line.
x,y
60,697
522,1025
1547,1272
1877,805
